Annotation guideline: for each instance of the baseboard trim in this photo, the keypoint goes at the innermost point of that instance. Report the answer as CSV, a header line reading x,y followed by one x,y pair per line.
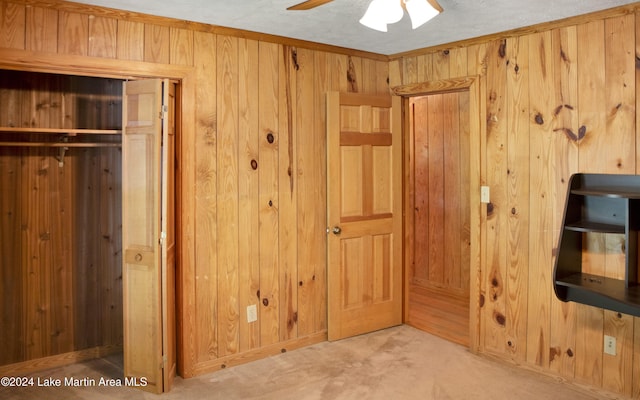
x,y
58,360
254,355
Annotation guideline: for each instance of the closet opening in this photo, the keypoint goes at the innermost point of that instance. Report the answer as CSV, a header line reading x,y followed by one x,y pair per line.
x,y
61,230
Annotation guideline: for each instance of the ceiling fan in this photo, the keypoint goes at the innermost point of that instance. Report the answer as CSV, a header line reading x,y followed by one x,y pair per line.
x,y
309,4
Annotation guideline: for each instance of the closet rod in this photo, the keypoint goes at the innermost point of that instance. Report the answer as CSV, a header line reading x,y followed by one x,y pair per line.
x,y
57,144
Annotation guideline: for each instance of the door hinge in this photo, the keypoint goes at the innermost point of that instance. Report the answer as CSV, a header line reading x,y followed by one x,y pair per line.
x,y
164,111
163,236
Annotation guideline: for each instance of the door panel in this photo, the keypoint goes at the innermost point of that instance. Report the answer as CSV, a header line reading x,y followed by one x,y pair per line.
x,y
168,261
145,276
364,213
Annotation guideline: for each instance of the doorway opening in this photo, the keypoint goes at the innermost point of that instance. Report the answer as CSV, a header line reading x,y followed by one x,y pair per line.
x,y
61,170
443,215
438,281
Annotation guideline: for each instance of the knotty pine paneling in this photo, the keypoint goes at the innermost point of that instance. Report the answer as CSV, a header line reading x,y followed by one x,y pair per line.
x,y
558,101
258,232
543,146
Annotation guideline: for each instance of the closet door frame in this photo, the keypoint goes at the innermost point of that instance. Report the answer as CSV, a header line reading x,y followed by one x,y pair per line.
x,y
185,78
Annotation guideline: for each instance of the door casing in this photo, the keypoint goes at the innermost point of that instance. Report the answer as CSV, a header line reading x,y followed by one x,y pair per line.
x,y
475,85
186,82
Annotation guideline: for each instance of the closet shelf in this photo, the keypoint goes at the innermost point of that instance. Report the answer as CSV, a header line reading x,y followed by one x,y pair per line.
x,y
58,144
56,131
63,135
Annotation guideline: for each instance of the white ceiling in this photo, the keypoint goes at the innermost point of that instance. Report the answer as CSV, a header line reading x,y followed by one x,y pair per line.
x,y
336,23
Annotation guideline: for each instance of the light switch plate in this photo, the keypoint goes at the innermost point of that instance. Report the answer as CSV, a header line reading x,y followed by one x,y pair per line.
x,y
252,313
484,194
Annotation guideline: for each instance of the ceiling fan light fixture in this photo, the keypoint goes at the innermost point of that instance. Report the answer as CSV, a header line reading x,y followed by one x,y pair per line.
x,y
382,12
421,11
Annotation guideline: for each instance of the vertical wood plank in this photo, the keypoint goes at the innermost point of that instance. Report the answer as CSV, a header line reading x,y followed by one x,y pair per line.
x,y
268,143
453,175
410,73
440,65
12,25
591,88
636,360
381,77
102,37
620,77
310,181
495,309
227,194
73,33
41,29
156,43
563,315
517,200
181,48
287,186
11,267
542,192
617,371
435,170
457,62
206,269
422,70
421,204
465,114
130,40
248,191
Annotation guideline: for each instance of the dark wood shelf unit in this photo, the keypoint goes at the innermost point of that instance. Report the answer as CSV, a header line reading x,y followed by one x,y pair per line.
x,y
599,203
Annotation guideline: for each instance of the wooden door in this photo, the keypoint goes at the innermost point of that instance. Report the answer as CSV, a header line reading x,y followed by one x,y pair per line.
x,y
364,188
146,230
168,234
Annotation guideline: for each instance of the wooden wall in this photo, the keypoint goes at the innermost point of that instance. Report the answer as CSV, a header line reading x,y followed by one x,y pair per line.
x,y
60,231
559,99
439,174
252,165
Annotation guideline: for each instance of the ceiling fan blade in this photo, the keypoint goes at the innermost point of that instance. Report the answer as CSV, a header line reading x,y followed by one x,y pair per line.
x,y
309,4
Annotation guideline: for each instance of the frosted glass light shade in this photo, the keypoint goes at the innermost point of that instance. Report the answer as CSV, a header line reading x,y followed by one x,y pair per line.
x,y
382,12
420,11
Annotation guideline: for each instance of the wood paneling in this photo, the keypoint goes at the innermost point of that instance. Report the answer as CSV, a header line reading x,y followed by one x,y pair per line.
x,y
588,69
558,101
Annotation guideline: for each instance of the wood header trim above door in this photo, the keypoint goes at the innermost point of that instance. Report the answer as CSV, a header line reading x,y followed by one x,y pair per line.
x,y
434,87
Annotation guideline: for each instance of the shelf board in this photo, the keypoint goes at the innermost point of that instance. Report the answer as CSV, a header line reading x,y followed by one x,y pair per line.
x,y
625,192
600,291
58,144
590,226
55,131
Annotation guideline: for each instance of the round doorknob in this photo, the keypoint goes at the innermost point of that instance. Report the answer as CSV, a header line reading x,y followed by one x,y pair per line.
x,y
336,230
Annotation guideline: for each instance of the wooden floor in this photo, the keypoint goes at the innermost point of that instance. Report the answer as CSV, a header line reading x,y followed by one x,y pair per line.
x,y
440,313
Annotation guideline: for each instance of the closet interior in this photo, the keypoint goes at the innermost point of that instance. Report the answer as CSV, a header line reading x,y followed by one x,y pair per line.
x,y
61,223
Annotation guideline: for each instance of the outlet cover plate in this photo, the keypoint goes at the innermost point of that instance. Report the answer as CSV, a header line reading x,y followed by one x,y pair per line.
x,y
609,345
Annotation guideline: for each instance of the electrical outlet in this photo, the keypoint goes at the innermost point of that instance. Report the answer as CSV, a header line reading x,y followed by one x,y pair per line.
x,y
252,313
484,194
609,345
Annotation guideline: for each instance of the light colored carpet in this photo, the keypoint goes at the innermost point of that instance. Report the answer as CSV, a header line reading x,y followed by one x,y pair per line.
x,y
396,363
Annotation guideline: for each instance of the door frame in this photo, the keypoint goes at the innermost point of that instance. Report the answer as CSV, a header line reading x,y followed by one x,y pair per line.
x,y
22,60
476,87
